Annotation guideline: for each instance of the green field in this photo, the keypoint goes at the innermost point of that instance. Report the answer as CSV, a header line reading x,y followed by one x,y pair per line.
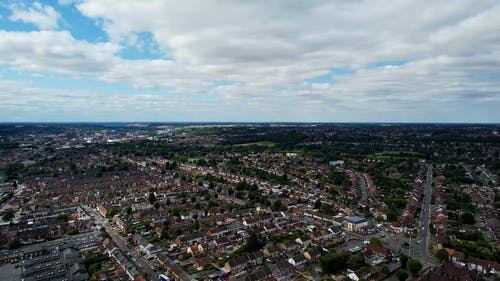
x,y
400,155
193,159
259,143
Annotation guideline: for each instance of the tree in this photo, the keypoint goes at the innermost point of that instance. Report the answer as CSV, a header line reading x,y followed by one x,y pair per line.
x,y
113,211
13,170
414,266
164,231
404,261
384,269
278,206
442,254
356,261
14,244
151,197
333,262
375,241
176,212
254,243
317,204
467,218
402,275
128,212
8,215
63,217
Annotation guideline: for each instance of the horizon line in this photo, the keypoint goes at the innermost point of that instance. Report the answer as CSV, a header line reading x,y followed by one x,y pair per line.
x,y
246,122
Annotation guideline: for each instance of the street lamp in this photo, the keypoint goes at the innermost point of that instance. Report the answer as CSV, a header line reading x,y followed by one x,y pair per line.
x,y
409,247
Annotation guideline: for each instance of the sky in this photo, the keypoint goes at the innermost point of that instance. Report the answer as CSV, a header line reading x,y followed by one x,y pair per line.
x,y
250,61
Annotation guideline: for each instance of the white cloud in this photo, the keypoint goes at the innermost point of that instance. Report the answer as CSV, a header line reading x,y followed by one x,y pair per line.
x,y
276,43
55,51
269,49
43,16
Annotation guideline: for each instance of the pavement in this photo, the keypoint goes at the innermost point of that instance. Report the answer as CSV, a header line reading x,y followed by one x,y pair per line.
x,y
9,272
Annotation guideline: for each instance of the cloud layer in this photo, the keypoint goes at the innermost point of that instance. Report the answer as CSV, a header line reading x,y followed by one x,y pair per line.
x,y
260,60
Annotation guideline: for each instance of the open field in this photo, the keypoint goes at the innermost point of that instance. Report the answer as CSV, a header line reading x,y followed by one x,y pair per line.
x,y
259,143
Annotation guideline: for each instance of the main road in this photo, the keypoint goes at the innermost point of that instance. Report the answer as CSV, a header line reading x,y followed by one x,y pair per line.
x,y
364,189
422,242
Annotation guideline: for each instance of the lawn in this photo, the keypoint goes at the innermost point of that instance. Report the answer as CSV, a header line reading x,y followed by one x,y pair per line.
x,y
193,159
259,143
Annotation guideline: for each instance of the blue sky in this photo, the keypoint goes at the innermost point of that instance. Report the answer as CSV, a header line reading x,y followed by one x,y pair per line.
x,y
361,61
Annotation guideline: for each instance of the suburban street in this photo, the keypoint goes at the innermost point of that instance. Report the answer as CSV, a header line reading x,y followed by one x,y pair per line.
x,y
364,189
420,244
131,253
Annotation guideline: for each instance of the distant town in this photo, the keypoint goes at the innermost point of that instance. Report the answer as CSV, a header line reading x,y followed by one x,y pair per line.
x,y
236,201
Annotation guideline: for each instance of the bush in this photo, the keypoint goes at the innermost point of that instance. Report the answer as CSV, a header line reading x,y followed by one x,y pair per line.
x,y
375,241
414,266
8,215
14,244
404,261
442,254
73,232
467,218
95,258
402,275
333,262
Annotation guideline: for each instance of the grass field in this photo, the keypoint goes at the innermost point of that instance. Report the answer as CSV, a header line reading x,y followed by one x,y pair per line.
x,y
259,143
397,155
193,159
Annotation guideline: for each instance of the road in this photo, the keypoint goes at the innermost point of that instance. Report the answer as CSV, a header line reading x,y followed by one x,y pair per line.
x,y
418,246
131,253
421,244
364,189
488,175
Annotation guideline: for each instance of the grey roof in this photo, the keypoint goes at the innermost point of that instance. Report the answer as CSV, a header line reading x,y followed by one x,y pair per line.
x,y
354,219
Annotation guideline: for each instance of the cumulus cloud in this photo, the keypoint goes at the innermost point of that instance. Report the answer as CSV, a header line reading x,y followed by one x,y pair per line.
x,y
398,57
275,43
43,16
54,51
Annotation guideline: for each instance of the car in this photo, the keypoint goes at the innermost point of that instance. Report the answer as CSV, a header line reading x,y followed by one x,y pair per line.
x,y
354,249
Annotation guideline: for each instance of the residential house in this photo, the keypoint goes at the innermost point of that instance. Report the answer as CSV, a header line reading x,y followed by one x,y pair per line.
x,y
456,257
298,261
313,254
282,270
